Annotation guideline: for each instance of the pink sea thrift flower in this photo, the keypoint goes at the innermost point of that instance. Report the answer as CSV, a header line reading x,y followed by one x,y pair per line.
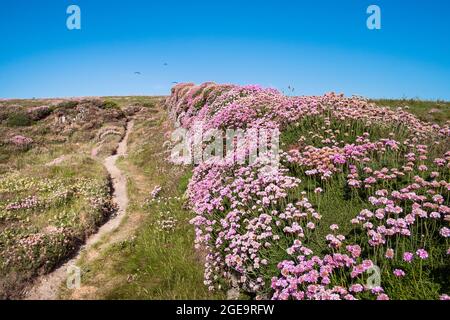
x,y
383,296
311,225
377,290
445,232
422,254
318,190
399,273
354,250
356,288
408,257
389,253
334,227
423,168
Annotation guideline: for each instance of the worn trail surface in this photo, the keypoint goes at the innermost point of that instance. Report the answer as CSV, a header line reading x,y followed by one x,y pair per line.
x,y
47,286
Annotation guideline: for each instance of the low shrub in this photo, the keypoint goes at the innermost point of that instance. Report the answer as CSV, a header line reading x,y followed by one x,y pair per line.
x,y
108,104
67,104
18,119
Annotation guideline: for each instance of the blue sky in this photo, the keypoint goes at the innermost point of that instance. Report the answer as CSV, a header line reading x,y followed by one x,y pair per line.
x,y
314,46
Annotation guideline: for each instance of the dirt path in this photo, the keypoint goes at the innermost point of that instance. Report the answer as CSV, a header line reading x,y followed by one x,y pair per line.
x,y
47,286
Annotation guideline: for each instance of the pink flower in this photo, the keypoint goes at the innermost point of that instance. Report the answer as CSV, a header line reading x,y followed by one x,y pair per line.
x,y
377,290
434,174
356,288
311,225
383,296
334,227
422,254
354,250
408,257
338,159
318,190
423,168
445,232
444,297
399,273
389,253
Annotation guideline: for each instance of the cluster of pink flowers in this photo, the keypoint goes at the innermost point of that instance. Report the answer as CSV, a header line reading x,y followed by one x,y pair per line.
x,y
20,141
222,105
310,279
243,215
390,219
326,161
29,251
27,203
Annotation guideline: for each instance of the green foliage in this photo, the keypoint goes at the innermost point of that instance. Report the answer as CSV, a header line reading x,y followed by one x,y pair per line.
x,y
18,119
67,104
431,111
184,181
149,105
108,104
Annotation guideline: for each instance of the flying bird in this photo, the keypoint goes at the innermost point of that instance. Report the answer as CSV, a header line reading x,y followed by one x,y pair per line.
x,y
137,72
174,82
166,64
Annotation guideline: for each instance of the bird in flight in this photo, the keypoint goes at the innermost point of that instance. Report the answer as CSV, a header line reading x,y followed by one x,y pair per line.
x,y
166,64
174,82
137,72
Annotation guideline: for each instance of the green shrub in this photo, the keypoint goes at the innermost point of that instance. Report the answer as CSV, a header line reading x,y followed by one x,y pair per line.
x,y
108,104
67,105
148,105
18,119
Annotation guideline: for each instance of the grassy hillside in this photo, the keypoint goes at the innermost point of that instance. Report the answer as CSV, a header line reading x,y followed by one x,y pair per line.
x,y
431,111
54,192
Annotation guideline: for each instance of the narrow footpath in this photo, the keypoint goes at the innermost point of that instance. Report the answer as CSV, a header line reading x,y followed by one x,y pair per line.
x,y
47,286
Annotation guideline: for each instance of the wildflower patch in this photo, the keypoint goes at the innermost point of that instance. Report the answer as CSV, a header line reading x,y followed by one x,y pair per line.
x,y
358,207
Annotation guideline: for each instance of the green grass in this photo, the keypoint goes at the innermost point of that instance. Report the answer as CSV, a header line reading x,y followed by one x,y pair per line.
x,y
163,264
145,101
18,119
431,111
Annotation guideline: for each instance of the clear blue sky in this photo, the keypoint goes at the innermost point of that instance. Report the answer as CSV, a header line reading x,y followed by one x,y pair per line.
x,y
315,46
